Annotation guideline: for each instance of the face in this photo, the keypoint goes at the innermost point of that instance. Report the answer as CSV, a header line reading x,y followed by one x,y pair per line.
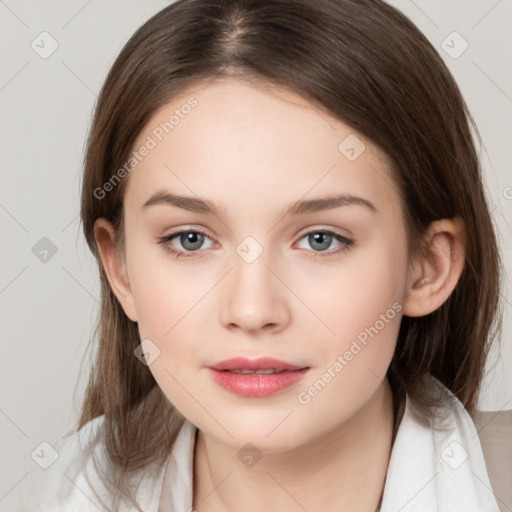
x,y
270,271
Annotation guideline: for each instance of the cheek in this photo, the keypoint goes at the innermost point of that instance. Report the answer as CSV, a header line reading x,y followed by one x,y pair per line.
x,y
165,290
162,301
362,309
170,300
167,300
355,294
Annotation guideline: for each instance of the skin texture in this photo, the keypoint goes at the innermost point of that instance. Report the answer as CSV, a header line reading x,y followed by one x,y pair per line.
x,y
253,152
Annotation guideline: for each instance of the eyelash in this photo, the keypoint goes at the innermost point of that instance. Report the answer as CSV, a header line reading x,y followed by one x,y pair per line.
x,y
346,243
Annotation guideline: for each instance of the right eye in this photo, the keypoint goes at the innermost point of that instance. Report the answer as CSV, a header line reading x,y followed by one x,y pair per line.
x,y
190,241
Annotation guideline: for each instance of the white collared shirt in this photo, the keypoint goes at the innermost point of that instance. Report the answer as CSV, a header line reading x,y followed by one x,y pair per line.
x,y
430,469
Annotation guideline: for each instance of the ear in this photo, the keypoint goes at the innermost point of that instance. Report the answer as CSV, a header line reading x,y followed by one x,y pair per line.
x,y
114,266
433,276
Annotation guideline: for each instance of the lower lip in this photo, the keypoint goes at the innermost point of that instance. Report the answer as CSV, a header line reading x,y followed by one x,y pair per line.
x,y
257,385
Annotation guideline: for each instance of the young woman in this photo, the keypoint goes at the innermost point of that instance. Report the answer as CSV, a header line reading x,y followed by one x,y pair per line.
x,y
300,275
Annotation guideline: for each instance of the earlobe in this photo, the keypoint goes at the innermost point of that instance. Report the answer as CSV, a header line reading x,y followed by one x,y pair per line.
x,y
434,275
114,266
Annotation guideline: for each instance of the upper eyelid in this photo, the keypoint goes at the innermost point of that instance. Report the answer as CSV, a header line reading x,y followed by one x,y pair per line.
x,y
307,232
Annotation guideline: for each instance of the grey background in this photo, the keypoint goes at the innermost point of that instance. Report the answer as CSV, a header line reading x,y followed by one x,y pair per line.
x,y
47,308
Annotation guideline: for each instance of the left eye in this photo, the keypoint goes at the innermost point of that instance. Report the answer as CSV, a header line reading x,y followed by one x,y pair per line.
x,y
191,241
323,240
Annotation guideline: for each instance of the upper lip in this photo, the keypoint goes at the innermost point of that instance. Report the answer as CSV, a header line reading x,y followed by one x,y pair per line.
x,y
262,363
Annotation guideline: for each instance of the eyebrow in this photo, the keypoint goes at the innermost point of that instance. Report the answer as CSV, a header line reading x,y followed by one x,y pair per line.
x,y
302,207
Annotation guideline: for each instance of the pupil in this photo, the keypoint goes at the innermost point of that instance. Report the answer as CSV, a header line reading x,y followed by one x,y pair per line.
x,y
188,238
321,237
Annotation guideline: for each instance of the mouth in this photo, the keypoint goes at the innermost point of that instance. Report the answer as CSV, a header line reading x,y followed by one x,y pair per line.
x,y
256,378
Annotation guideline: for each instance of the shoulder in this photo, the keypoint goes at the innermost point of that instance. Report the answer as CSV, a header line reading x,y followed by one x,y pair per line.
x,y
436,462
448,421
448,449
74,477
495,433
66,476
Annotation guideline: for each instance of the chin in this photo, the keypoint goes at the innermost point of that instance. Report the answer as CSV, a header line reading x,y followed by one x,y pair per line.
x,y
269,432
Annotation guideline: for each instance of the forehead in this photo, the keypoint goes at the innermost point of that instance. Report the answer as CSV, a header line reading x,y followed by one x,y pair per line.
x,y
235,142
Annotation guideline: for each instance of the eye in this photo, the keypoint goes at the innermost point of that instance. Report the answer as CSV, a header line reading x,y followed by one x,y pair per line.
x,y
321,240
191,241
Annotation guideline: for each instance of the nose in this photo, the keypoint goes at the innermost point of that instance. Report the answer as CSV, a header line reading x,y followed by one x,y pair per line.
x,y
255,298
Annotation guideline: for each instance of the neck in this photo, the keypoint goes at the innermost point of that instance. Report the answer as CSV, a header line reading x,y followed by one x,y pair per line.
x,y
341,471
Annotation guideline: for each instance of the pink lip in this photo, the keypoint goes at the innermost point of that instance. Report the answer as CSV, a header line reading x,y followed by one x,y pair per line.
x,y
252,385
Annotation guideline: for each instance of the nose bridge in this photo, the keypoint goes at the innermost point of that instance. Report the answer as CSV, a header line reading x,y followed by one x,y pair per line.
x,y
252,277
255,297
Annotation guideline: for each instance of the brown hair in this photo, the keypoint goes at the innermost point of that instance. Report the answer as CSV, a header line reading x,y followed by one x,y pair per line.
x,y
359,60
